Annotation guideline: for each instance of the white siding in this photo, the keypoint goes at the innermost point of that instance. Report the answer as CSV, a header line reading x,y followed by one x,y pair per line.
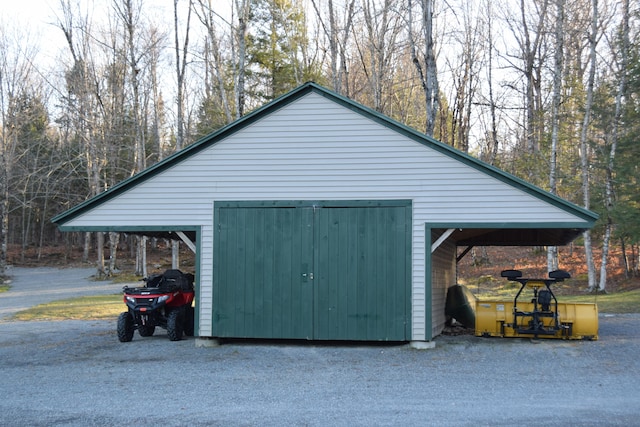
x,y
315,149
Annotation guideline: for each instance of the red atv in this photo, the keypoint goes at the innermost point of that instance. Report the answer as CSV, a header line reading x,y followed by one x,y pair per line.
x,y
165,300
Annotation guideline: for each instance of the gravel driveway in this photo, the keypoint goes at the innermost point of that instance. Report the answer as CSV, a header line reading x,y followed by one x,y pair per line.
x,y
75,373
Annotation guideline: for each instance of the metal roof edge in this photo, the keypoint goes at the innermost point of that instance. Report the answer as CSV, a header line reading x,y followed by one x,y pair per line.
x,y
510,225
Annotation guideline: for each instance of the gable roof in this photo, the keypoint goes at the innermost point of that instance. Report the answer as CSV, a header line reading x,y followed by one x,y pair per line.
x,y
584,215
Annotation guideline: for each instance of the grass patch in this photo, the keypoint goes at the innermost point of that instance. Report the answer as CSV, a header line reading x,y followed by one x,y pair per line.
x,y
110,306
4,288
619,302
81,308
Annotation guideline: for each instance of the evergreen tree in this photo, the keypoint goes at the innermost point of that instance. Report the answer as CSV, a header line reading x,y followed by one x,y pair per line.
x,y
276,48
626,212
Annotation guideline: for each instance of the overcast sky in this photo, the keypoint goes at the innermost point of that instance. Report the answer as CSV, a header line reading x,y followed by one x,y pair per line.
x,y
34,19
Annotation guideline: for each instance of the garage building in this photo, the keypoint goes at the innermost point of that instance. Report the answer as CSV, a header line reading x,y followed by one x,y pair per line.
x,y
317,218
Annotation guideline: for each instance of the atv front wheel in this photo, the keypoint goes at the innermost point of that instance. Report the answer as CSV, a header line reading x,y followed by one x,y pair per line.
x,y
175,326
146,330
125,327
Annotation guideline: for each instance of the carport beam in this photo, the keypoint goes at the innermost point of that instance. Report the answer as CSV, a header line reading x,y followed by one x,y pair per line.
x,y
441,239
186,241
466,251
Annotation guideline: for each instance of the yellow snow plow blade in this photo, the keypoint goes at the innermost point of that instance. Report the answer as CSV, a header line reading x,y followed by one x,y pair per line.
x,y
577,321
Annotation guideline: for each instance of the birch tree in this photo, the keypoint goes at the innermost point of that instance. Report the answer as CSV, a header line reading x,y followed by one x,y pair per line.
x,y
239,54
584,147
493,140
552,251
424,59
181,51
622,68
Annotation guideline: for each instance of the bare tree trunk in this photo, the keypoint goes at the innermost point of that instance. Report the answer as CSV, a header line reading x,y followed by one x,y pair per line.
x,y
584,147
100,255
143,241
129,14
242,6
625,258
426,71
181,68
338,42
80,86
43,220
206,17
492,102
552,251
156,129
530,50
465,75
114,239
175,254
181,64
333,49
129,18
86,246
382,29
4,206
5,174
141,256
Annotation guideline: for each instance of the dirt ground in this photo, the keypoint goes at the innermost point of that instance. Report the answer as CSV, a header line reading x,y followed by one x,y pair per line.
x,y
158,257
487,265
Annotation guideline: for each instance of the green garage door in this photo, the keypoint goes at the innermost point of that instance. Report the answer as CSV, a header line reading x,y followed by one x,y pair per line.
x,y
327,271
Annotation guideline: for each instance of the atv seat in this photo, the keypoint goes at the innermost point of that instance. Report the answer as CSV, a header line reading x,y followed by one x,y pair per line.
x,y
176,279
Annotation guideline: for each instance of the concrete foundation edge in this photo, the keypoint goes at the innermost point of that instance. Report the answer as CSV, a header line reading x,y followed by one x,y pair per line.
x,y
422,345
207,342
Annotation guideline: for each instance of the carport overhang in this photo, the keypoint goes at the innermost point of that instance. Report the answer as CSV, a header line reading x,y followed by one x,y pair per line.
x,y
188,234
511,234
469,235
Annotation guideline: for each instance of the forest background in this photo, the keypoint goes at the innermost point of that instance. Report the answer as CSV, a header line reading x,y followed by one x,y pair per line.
x,y
548,90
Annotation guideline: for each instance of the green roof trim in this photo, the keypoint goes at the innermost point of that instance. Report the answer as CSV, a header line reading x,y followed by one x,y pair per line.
x,y
295,94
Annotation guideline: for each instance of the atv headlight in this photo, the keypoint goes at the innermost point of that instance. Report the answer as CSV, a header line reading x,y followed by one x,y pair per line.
x,y
163,298
131,299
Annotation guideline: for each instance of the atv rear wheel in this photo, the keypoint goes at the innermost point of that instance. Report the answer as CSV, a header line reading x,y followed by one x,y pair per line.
x,y
125,327
146,330
189,326
175,324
